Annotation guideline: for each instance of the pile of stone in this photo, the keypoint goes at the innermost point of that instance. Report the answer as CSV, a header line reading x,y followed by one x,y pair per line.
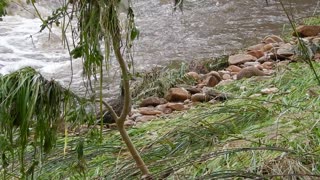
x,y
258,60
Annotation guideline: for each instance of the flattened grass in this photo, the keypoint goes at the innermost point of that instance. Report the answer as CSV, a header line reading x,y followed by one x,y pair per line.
x,y
267,136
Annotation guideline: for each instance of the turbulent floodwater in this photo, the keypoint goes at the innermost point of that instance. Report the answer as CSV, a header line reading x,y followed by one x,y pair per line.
x,y
206,28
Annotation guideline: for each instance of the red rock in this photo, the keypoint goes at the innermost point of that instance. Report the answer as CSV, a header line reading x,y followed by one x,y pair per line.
x,y
256,53
249,72
240,58
152,101
307,31
256,47
176,106
233,68
267,47
149,111
177,94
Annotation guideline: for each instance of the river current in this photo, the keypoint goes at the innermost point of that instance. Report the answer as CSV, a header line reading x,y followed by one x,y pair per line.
x,y
206,28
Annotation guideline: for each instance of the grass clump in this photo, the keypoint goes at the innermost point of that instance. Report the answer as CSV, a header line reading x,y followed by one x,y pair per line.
x,y
312,20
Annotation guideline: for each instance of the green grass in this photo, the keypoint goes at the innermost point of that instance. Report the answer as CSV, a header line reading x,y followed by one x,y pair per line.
x,y
272,136
3,5
312,20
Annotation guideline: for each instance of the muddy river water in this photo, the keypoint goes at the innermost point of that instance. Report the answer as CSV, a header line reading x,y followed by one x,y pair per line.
x,y
206,28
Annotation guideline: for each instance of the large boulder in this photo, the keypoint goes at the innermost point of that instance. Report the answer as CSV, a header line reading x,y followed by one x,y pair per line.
x,y
307,31
177,94
240,58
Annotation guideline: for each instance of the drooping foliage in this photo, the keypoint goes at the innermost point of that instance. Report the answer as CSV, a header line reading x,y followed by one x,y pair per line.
x,y
31,110
3,5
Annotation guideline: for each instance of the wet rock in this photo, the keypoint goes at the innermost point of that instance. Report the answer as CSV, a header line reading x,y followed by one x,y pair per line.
x,y
149,111
240,58
256,53
256,47
177,94
193,75
176,106
152,101
145,118
307,31
199,97
249,72
285,50
233,68
269,90
272,39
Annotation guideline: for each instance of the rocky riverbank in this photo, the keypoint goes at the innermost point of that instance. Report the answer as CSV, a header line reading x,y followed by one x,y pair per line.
x,y
257,60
